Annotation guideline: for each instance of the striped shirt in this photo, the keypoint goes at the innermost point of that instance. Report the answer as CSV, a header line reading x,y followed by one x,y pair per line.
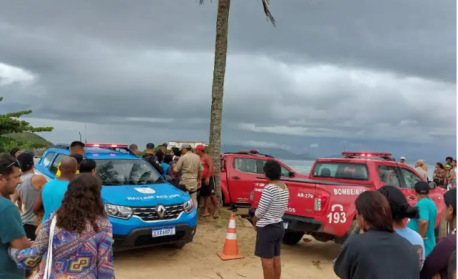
x,y
272,206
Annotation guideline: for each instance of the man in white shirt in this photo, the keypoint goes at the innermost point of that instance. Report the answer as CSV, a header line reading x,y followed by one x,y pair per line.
x,y
419,168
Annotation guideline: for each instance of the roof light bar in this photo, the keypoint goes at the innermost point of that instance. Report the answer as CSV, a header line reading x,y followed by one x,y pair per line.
x,y
106,145
366,154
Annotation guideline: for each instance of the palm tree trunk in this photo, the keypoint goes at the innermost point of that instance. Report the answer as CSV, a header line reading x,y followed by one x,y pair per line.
x,y
219,72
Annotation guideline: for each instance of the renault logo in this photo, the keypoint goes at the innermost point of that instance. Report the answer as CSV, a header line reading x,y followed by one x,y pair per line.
x,y
160,210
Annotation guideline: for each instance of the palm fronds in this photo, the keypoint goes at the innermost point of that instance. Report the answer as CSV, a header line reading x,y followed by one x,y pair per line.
x,y
265,6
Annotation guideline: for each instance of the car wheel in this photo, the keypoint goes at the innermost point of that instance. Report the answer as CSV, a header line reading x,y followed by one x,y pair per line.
x,y
292,238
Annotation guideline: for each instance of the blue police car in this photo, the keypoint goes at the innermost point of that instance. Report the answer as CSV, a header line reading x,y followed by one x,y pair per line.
x,y
143,208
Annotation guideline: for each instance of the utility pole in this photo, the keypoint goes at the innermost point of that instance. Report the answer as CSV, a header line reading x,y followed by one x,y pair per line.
x,y
80,136
85,134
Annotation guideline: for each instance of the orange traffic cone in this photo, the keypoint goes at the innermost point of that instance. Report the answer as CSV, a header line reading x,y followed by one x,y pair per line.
x,y
231,249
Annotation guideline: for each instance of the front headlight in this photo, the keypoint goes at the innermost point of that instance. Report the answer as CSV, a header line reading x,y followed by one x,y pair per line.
x,y
188,206
118,211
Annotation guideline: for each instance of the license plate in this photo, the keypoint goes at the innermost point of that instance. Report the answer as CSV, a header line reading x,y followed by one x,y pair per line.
x,y
285,225
163,231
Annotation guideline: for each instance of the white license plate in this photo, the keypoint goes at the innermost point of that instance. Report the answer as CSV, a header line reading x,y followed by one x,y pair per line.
x,y
163,231
285,225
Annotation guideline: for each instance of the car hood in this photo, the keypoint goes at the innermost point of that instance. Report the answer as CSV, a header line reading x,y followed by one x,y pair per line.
x,y
143,195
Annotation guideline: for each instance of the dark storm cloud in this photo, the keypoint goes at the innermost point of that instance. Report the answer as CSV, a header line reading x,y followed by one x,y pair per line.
x,y
135,63
410,36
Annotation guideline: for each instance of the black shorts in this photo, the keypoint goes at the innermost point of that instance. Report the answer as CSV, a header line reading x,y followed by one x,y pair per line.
x,y
30,231
268,241
208,190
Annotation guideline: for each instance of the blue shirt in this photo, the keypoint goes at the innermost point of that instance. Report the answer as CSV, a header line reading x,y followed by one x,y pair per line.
x,y
52,195
165,167
416,240
428,212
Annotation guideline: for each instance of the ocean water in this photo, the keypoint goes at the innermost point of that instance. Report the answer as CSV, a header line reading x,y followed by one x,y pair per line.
x,y
304,167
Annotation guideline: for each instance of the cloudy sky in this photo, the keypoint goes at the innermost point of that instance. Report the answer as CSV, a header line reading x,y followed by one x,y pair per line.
x,y
331,71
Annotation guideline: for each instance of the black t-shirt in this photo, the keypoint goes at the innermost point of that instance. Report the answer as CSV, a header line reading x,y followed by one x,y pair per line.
x,y
377,255
152,159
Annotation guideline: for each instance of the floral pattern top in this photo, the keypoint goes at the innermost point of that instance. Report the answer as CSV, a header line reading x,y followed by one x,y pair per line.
x,y
87,255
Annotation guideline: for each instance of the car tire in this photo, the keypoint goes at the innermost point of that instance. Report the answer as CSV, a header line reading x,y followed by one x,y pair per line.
x,y
292,238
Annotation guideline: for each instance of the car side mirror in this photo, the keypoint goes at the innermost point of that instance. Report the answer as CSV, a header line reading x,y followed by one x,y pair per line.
x,y
168,178
291,174
432,185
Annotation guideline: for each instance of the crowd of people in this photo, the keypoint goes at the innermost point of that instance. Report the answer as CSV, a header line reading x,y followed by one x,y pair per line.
x,y
402,237
59,228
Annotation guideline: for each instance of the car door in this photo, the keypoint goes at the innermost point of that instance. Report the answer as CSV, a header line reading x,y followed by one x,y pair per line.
x,y
55,165
303,201
242,177
43,165
410,178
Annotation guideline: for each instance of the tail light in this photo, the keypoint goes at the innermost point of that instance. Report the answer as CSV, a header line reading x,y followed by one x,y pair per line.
x,y
321,203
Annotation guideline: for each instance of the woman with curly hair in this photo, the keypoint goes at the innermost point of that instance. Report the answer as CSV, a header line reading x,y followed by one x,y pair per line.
x,y
76,240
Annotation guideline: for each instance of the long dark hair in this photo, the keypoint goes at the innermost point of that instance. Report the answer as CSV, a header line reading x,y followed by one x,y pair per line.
x,y
82,203
450,199
400,208
440,165
375,210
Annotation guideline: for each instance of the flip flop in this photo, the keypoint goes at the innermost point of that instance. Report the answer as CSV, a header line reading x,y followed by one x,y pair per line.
x,y
215,216
206,215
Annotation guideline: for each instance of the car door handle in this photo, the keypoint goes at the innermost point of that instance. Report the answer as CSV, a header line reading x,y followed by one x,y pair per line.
x,y
235,177
412,197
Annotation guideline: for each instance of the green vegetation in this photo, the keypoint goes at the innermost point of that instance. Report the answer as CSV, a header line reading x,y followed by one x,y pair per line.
x,y
19,133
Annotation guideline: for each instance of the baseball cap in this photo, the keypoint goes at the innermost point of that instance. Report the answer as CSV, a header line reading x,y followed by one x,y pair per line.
x,y
200,147
403,158
185,146
164,144
421,187
25,159
150,145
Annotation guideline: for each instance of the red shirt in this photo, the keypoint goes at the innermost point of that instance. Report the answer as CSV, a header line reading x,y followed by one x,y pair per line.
x,y
206,167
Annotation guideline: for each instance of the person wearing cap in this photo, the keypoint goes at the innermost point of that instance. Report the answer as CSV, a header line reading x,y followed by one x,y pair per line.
x,y
151,158
27,192
438,262
428,215
190,168
207,191
402,160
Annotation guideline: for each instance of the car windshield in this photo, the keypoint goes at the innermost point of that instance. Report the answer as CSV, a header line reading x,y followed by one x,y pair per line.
x,y
127,172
